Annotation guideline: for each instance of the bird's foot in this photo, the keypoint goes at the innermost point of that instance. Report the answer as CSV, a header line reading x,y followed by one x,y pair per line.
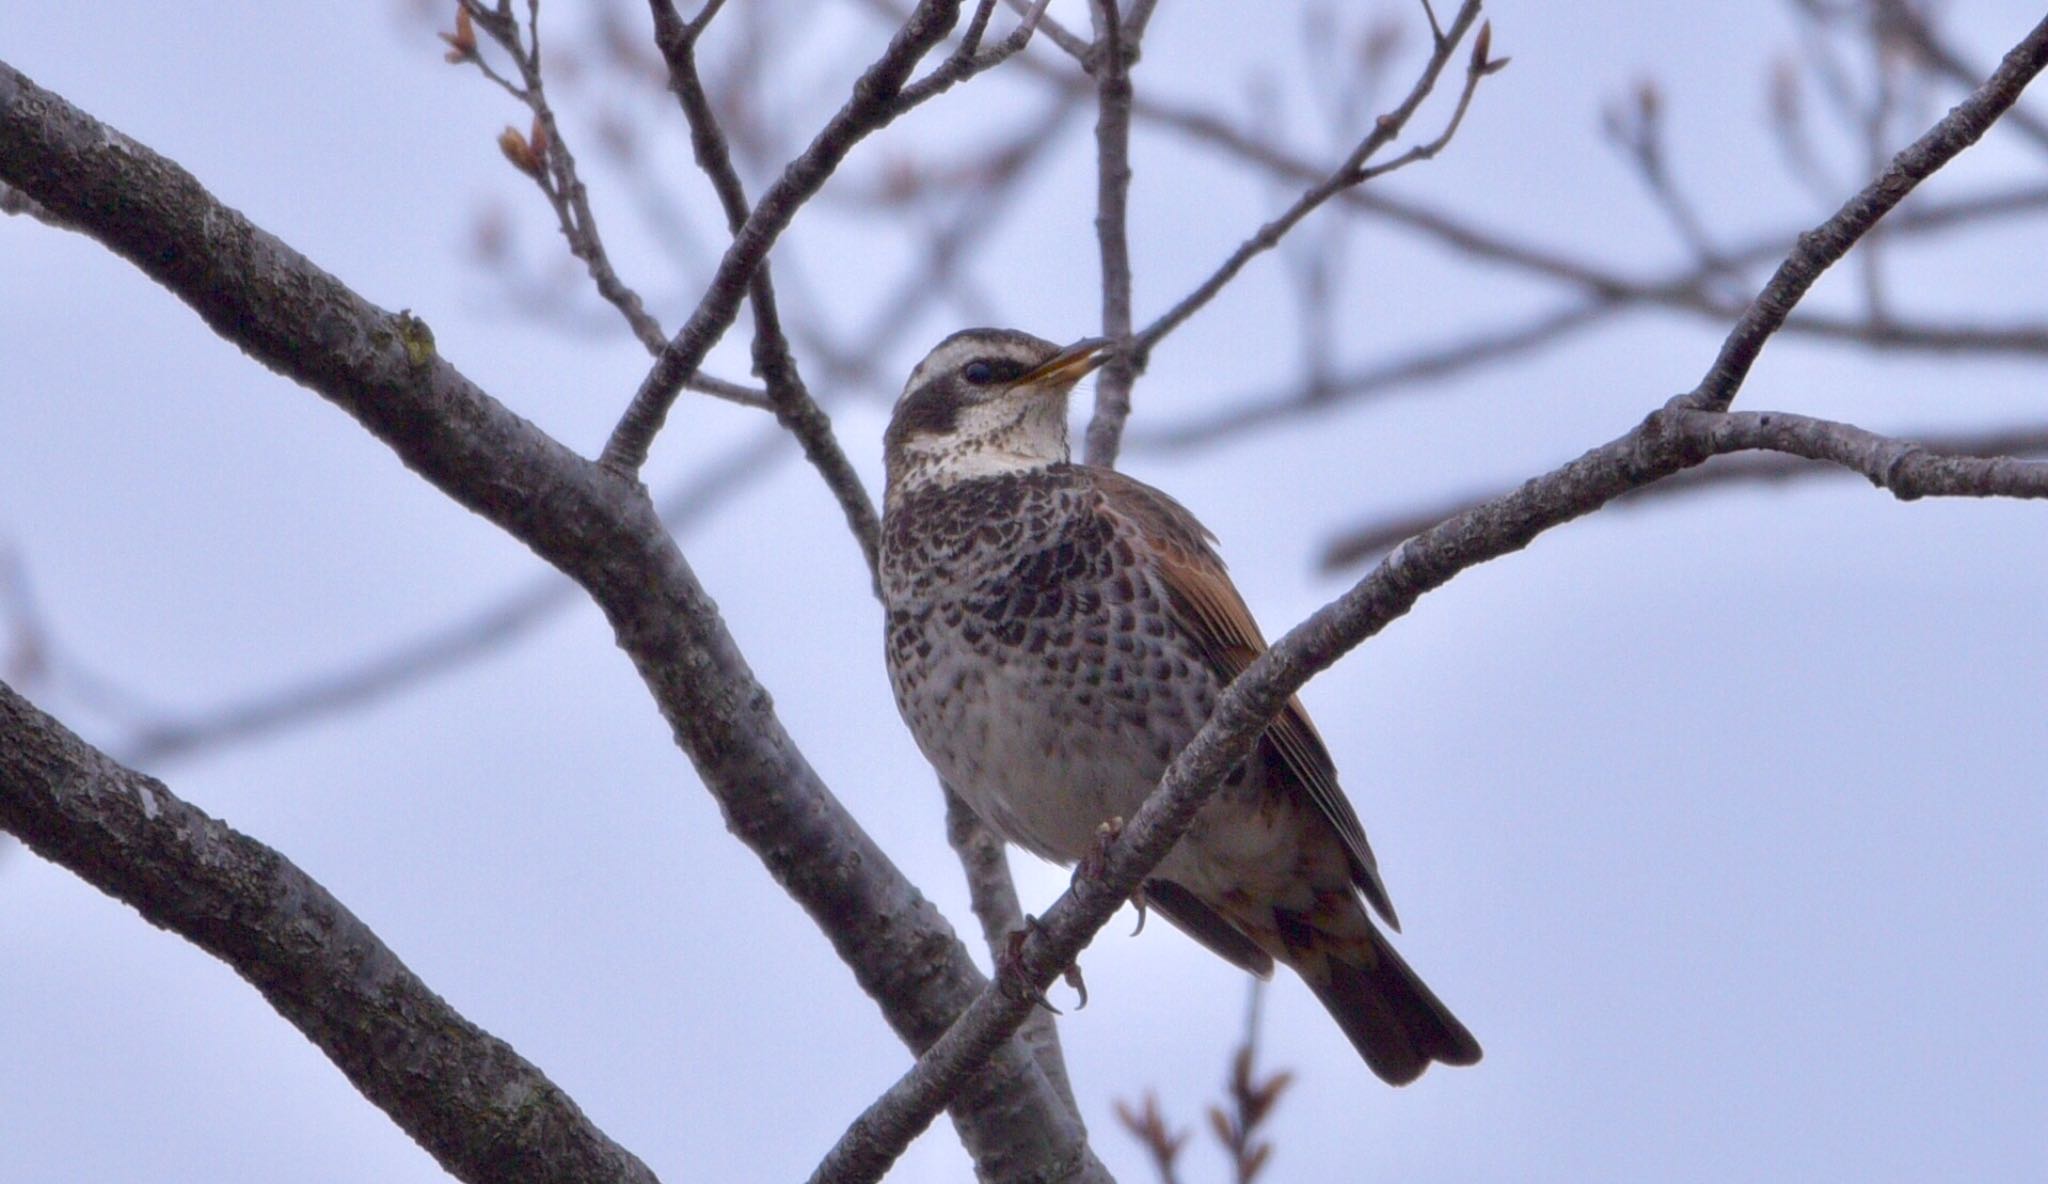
x,y
1010,969
1010,965
1096,862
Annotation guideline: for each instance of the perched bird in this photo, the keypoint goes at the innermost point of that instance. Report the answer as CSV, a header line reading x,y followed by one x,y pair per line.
x,y
1057,632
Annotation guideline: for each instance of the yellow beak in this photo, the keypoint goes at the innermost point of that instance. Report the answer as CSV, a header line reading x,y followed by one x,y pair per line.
x,y
1066,367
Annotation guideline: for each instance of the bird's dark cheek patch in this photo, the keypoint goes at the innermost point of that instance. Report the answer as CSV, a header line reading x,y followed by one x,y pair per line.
x,y
929,411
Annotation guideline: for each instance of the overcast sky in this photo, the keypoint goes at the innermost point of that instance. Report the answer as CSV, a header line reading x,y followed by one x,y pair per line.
x,y
1719,823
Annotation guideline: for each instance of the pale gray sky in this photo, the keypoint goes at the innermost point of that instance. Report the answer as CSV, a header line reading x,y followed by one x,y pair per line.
x,y
1720,823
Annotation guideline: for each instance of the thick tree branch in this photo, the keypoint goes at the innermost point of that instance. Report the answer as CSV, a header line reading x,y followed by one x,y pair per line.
x,y
596,526
873,105
483,1112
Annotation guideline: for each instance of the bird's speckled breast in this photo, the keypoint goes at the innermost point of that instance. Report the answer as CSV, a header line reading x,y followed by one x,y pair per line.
x,y
1031,653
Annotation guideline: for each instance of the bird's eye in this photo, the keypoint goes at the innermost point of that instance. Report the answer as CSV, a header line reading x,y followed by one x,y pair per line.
x,y
979,372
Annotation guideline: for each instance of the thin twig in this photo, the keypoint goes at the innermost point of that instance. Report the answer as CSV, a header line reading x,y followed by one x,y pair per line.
x,y
872,106
1348,174
795,409
1238,414
557,178
970,59
1820,247
1608,295
1075,45
1901,20
1110,61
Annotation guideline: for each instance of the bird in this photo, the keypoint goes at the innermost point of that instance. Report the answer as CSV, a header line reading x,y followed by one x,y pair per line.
x,y
1057,632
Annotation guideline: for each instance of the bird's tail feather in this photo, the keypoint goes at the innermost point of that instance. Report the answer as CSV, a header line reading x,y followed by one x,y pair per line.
x,y
1394,1020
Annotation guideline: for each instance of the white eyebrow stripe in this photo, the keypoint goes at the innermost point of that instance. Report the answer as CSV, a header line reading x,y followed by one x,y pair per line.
x,y
956,353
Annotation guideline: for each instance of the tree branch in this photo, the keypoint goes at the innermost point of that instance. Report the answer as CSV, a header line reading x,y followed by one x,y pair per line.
x,y
970,59
1110,61
596,526
483,1112
1373,539
992,894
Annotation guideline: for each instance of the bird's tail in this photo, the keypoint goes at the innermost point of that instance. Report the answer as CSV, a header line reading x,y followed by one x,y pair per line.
x,y
1394,1020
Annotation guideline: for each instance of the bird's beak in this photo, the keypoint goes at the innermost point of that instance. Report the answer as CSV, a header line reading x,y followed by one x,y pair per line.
x,y
1066,367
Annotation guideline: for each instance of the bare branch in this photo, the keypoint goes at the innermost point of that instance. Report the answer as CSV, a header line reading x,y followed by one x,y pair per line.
x,y
1110,61
873,105
1075,45
1608,295
1433,363
970,59
483,1112
992,894
1373,539
1908,470
1681,292
556,174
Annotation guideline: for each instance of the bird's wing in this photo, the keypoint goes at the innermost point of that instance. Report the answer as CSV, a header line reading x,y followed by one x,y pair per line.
x,y
1215,616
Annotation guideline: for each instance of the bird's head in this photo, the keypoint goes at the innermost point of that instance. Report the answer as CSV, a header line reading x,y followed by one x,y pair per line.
x,y
985,402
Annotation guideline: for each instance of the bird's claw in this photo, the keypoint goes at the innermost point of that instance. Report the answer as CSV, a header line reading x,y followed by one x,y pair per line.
x,y
1072,976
